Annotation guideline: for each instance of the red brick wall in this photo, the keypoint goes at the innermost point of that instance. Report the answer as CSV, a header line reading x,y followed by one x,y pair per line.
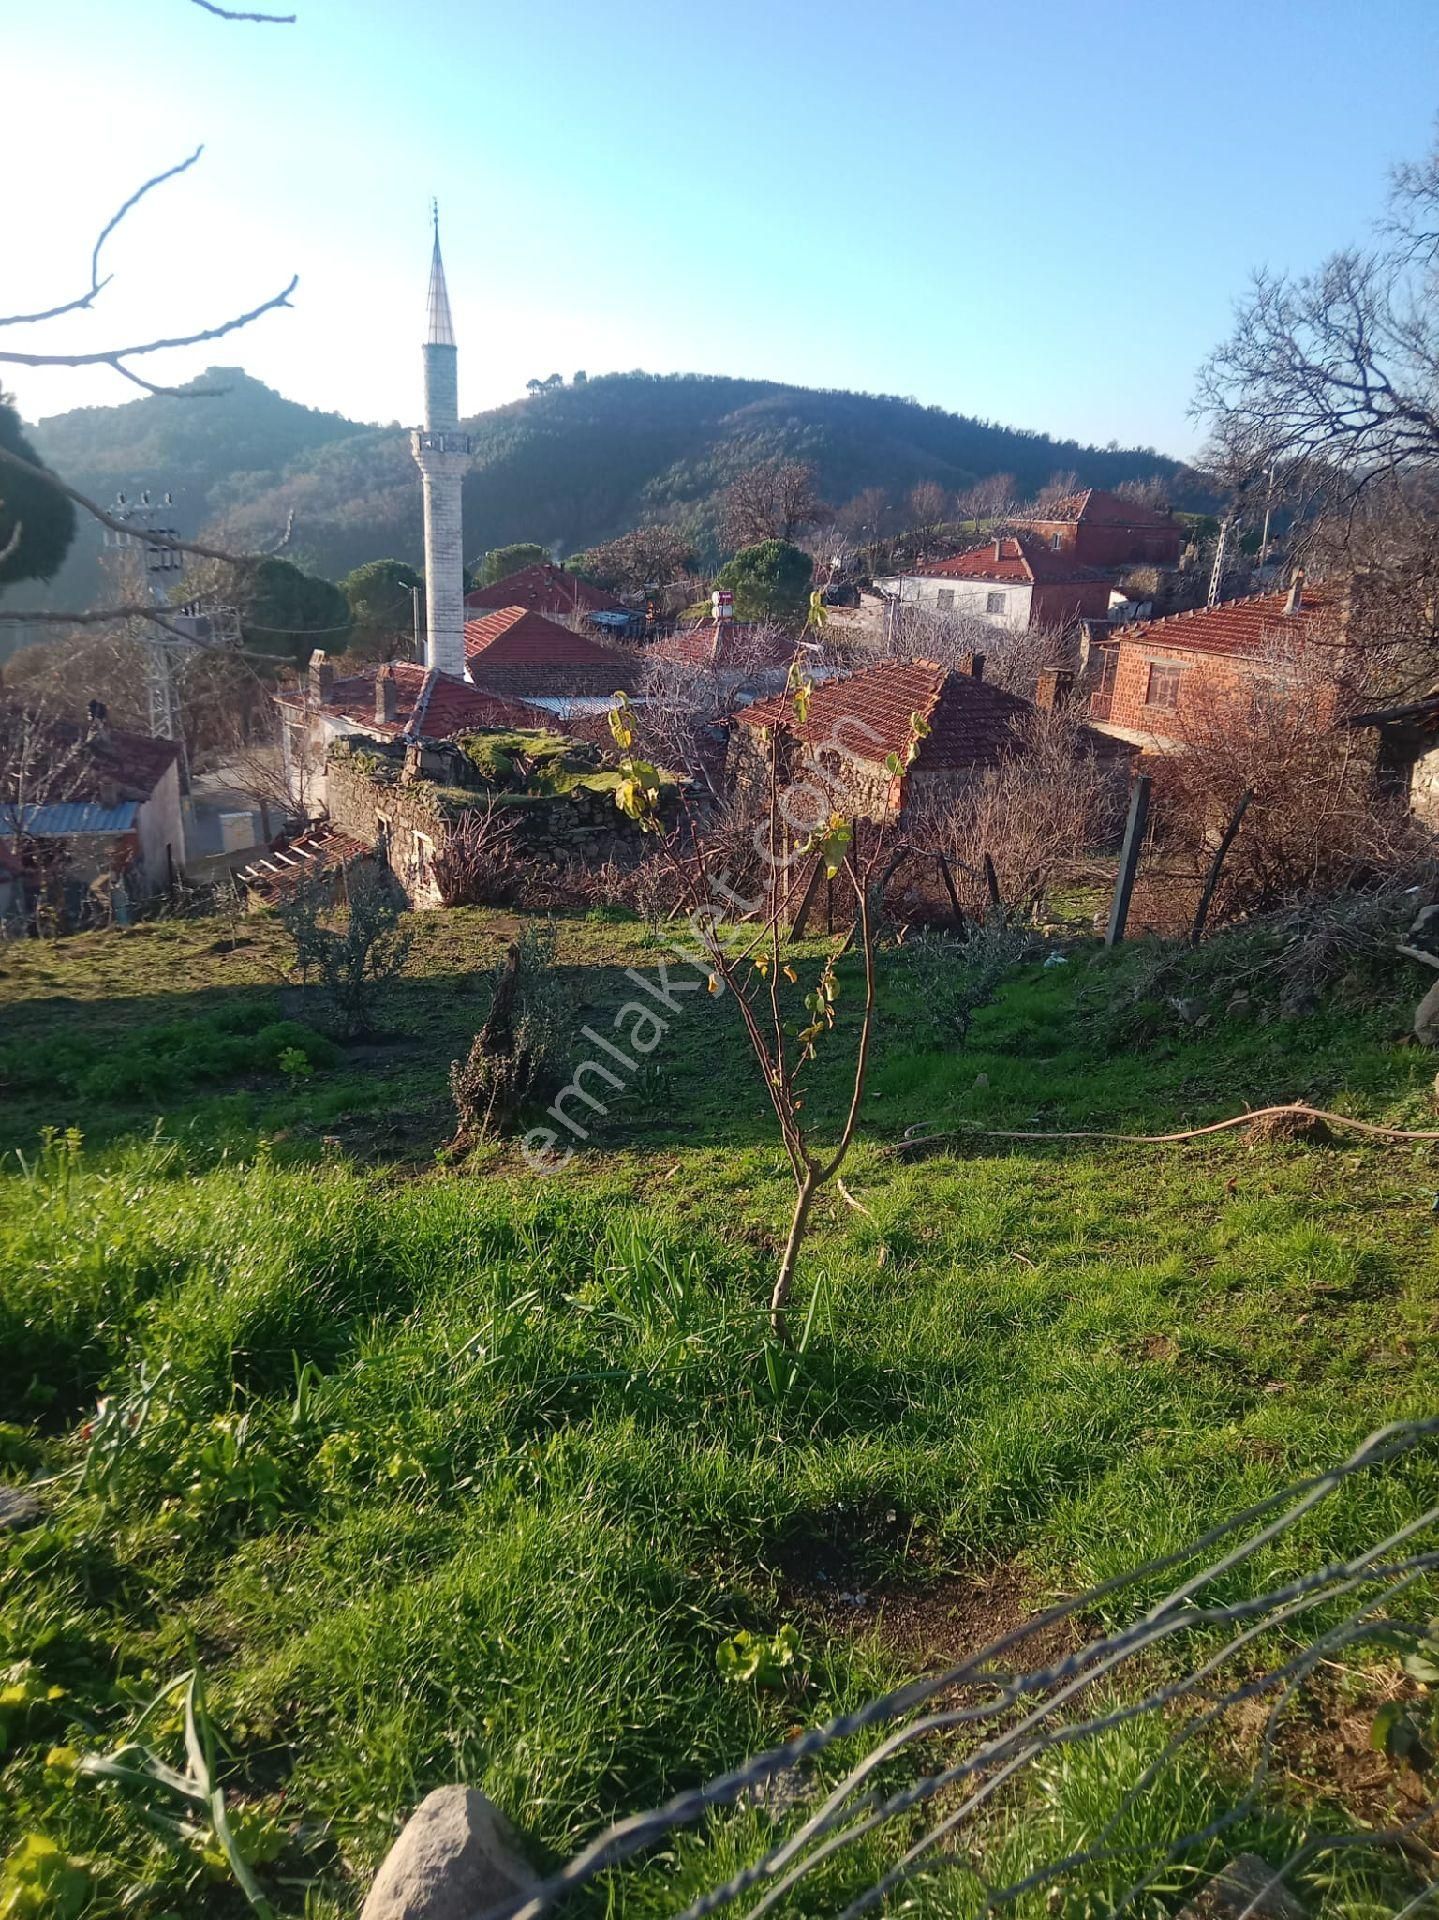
x,y
1095,546
1129,706
1054,606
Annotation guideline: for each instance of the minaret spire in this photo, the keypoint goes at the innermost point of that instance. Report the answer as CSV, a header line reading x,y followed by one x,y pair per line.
x,y
442,453
441,331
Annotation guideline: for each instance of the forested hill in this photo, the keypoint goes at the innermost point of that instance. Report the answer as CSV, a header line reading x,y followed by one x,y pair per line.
x,y
567,467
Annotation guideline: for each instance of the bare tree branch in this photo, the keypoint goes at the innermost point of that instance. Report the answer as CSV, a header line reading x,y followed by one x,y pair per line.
x,y
96,283
112,357
151,539
264,19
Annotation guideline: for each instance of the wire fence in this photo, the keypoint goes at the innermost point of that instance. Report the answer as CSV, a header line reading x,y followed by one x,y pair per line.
x,y
943,1761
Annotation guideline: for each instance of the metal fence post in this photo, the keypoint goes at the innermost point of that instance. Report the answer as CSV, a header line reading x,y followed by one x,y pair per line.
x,y
1128,859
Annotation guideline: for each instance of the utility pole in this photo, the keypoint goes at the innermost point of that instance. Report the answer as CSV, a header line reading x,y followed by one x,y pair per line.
x,y
163,564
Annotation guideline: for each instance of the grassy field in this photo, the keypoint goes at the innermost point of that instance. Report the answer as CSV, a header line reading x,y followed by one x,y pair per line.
x,y
446,1472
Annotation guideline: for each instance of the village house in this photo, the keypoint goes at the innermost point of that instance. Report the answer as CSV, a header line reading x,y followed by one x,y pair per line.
x,y
1099,529
1012,581
398,701
101,813
745,658
545,589
893,735
1144,679
1406,762
516,653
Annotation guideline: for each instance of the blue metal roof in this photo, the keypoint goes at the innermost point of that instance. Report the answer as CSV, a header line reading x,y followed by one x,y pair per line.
x,y
78,816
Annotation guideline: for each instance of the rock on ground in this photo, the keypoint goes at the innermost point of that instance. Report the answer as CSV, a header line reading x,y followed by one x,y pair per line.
x,y
1426,1018
455,1858
1243,1887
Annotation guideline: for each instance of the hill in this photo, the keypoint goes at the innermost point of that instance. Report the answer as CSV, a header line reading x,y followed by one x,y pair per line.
x,y
569,467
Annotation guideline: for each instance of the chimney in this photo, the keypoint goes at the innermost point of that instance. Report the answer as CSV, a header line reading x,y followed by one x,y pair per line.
x,y
999,546
976,666
722,601
1296,591
99,717
1054,688
387,697
322,676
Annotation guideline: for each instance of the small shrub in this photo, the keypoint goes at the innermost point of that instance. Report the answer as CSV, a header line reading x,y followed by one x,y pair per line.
x,y
521,1052
952,978
356,949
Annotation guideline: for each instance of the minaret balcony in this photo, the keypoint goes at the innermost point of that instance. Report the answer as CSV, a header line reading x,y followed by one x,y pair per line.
x,y
439,440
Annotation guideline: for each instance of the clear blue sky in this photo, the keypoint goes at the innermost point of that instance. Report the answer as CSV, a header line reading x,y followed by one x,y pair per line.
x,y
1042,216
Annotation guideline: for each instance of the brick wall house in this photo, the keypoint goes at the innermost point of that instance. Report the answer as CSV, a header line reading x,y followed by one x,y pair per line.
x,y
1100,529
1144,678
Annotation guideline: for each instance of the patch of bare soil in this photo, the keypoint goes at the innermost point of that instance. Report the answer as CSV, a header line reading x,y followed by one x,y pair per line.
x,y
935,1625
1322,1748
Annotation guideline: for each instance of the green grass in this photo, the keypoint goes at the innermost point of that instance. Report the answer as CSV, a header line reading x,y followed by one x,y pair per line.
x,y
460,1473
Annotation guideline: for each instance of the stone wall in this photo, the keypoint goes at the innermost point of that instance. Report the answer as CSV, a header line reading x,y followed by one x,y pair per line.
x,y
409,819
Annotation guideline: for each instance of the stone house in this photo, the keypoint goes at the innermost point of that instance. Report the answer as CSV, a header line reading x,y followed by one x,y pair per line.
x,y
1142,679
1100,529
899,733
1012,581
404,800
398,701
1406,761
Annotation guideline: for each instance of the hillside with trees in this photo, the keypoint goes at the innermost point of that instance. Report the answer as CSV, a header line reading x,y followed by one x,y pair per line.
x,y
570,465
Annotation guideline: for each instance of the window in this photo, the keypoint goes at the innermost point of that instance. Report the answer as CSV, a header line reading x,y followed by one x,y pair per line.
x,y
383,825
944,599
1056,541
1163,688
994,602
424,854
1108,669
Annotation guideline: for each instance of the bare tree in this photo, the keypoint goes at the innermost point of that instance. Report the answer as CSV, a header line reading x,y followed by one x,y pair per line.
x,y
1048,802
1013,657
772,501
120,359
928,505
1338,371
993,498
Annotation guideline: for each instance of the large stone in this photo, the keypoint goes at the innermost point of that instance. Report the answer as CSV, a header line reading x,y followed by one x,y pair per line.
x,y
455,1859
17,1509
1426,1018
1247,1886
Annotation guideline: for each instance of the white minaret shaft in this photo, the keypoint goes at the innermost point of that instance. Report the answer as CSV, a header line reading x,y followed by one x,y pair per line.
x,y
442,453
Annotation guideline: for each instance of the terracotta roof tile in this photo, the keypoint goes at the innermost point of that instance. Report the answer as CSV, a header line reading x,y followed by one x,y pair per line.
x,y
1248,626
1097,508
1023,559
545,588
726,645
516,637
428,705
870,714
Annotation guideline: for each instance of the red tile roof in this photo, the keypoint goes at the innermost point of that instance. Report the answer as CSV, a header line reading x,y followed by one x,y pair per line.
x,y
516,637
428,705
545,588
92,758
1023,560
870,715
726,645
1249,626
1100,509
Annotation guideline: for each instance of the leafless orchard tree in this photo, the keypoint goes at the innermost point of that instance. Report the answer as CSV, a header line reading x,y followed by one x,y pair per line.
x,y
774,500
996,497
928,505
1050,801
1013,657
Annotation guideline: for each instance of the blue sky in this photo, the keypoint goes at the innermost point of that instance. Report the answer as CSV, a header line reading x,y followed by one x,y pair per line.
x,y
1039,216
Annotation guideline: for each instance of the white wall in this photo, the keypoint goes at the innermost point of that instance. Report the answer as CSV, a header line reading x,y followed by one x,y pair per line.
x,y
161,824
970,597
